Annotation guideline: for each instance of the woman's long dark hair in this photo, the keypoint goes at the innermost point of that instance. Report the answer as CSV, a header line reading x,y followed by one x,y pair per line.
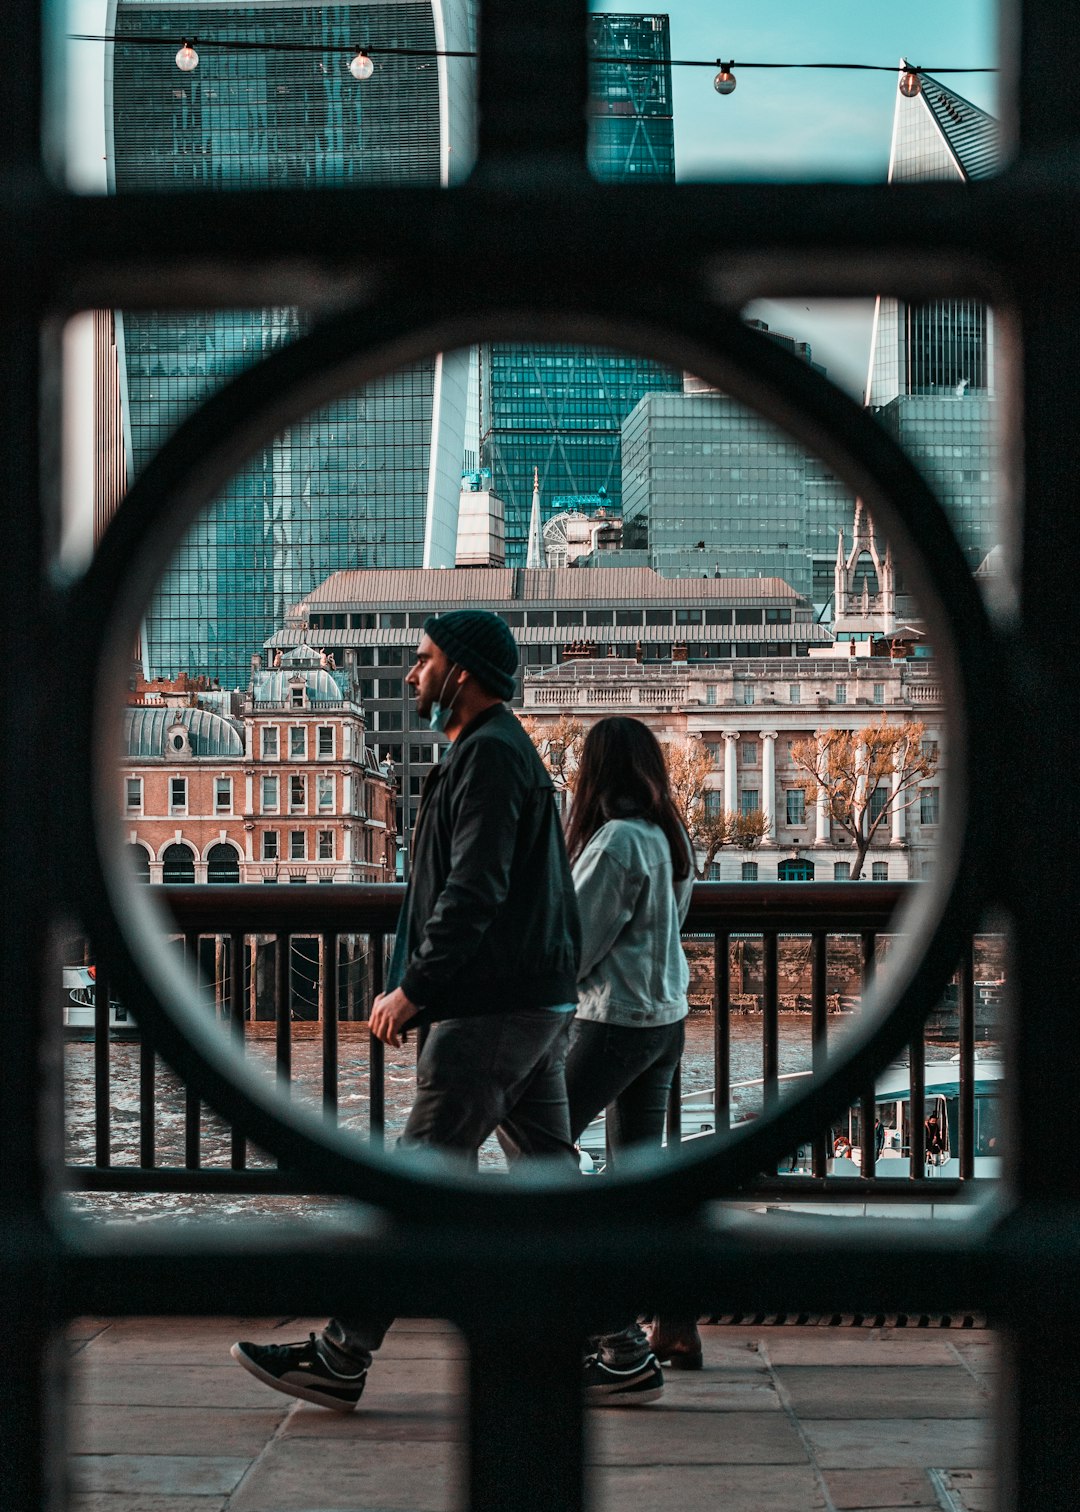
x,y
622,776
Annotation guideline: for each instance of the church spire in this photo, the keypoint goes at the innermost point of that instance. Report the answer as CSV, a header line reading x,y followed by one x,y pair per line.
x,y
535,557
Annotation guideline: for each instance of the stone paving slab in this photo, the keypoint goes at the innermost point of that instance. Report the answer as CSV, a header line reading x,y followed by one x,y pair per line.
x,y
111,1501
186,1430
887,1489
665,1436
185,1474
958,1443
854,1346
881,1391
299,1474
706,1488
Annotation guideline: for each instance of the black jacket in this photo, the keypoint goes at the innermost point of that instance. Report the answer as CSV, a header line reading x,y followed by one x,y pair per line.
x,y
489,923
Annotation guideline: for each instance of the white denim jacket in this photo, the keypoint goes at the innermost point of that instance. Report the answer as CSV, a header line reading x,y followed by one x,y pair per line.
x,y
633,968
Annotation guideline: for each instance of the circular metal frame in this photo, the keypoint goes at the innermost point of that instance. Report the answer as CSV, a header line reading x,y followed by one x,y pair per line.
x,y
340,356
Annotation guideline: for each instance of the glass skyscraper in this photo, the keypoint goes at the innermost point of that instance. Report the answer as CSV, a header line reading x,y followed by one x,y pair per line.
x,y
931,380
372,480
558,409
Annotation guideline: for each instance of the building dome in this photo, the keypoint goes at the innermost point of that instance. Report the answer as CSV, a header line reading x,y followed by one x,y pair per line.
x,y
146,728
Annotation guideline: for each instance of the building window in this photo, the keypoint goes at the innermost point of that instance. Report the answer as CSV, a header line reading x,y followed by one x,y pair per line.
x,y
296,698
222,865
269,803
841,871
133,795
879,872
749,871
326,845
325,793
178,866
222,795
178,795
297,743
841,693
714,872
794,693
878,799
749,752
716,752
712,803
796,806
750,800
929,805
269,742
270,845
710,694
928,749
326,743
297,795
297,845
879,693
747,693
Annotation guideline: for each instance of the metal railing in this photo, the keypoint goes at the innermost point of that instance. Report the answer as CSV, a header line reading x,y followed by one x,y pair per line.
x,y
248,942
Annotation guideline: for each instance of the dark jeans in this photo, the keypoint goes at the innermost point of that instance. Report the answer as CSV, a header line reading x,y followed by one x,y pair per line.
x,y
629,1072
500,1073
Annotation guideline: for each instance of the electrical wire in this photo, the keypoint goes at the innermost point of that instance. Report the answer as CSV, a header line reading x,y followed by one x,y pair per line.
x,y
160,39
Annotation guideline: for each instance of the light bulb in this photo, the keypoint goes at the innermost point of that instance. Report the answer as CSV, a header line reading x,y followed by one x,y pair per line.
x,y
910,84
361,67
187,59
724,83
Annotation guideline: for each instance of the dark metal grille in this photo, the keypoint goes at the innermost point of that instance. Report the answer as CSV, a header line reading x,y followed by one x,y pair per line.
x,y
452,266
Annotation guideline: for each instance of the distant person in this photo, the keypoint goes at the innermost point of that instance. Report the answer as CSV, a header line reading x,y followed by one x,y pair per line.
x,y
486,950
935,1141
634,875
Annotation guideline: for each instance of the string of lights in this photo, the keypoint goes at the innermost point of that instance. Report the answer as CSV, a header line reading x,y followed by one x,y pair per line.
x,y
361,61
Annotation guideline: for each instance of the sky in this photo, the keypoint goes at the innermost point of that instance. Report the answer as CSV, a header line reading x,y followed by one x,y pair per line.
x,y
808,125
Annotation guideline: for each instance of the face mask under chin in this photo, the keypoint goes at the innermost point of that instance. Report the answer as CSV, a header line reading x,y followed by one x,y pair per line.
x,y
440,712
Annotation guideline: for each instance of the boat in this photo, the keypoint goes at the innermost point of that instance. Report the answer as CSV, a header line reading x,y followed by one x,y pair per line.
x,y
79,995
892,1098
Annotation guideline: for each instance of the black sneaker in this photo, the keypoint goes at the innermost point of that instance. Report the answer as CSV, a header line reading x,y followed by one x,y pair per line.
x,y
300,1370
622,1385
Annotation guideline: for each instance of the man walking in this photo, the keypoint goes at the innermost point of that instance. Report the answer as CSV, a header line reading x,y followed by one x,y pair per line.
x,y
486,950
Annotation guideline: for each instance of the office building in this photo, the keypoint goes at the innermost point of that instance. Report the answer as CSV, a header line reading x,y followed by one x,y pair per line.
x,y
932,371
558,408
375,619
372,479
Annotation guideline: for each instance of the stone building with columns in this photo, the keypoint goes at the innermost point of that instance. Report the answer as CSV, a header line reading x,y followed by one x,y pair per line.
x,y
748,714
276,784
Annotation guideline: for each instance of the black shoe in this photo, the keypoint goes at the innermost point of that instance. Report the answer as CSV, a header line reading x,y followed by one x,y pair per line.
x,y
622,1385
300,1370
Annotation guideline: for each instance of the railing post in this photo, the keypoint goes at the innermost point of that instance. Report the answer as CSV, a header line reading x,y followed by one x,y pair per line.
x,y
966,1132
328,1013
376,1051
722,1030
819,1010
868,1103
238,956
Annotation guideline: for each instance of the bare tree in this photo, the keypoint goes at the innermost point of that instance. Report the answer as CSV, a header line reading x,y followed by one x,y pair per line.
x,y
559,746
689,764
849,766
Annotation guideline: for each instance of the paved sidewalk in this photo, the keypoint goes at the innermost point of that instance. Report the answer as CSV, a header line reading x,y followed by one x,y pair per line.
x,y
780,1420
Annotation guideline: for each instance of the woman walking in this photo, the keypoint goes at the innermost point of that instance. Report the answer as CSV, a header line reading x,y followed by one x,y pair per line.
x,y
633,874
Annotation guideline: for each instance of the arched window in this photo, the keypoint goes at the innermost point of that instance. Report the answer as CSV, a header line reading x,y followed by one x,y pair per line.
x,y
222,864
140,862
178,865
795,871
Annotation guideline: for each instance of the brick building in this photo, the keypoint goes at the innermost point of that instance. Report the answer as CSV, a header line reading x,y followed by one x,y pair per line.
x,y
275,784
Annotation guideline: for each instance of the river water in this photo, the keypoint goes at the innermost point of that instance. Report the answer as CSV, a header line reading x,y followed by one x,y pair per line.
x,y
400,1082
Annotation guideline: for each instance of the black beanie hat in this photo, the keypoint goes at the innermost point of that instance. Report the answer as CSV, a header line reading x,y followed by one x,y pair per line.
x,y
479,642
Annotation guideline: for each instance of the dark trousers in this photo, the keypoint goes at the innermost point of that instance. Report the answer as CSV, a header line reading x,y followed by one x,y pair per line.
x,y
629,1071
500,1073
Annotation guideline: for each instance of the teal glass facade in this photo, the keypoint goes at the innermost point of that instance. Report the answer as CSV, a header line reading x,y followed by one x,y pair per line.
x,y
558,409
363,482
